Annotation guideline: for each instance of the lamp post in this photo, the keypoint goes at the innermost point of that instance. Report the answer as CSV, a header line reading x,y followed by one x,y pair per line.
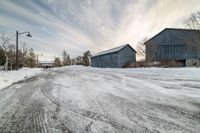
x,y
17,36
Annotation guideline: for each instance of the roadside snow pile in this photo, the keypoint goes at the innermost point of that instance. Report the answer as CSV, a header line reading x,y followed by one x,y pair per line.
x,y
7,78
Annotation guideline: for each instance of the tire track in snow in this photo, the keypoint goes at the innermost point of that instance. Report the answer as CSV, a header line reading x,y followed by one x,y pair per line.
x,y
91,116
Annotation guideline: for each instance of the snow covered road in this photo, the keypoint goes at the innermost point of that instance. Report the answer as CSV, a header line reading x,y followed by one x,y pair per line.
x,y
80,100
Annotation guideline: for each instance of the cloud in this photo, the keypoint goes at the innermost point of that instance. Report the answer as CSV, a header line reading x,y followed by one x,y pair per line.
x,y
79,25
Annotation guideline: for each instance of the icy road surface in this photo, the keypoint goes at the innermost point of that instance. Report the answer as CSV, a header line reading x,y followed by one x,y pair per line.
x,y
90,100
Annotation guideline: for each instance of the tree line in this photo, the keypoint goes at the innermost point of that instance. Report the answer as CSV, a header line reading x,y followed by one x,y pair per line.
x,y
26,56
66,59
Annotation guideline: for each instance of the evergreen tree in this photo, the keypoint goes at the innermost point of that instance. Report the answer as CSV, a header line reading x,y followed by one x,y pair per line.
x,y
2,57
68,60
57,62
86,58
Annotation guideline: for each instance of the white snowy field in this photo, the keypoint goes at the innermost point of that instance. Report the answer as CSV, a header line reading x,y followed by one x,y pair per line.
x,y
141,99
7,78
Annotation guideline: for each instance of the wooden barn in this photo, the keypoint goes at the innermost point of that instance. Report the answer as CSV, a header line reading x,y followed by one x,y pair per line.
x,y
181,45
114,58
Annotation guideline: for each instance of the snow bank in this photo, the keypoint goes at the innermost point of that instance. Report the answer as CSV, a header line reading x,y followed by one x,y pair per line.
x,y
7,78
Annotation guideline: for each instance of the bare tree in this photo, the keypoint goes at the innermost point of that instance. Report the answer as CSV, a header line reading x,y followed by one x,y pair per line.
x,y
5,41
64,54
32,58
193,22
24,54
11,55
66,58
141,48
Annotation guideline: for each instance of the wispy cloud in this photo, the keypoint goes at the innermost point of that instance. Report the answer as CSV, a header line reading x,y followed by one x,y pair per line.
x,y
79,25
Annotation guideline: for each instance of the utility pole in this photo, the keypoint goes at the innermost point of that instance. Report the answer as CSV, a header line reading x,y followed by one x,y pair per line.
x,y
17,52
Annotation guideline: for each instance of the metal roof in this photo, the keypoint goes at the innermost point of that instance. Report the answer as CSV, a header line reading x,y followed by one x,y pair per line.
x,y
116,49
175,29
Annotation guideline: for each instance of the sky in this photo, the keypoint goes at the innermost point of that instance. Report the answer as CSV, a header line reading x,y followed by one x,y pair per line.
x,y
95,25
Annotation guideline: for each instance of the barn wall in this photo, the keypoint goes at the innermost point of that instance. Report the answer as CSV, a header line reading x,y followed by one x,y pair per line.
x,y
105,61
125,56
171,52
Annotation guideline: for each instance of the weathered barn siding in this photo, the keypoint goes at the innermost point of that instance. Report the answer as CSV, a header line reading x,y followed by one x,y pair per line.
x,y
114,58
171,52
174,44
126,55
107,60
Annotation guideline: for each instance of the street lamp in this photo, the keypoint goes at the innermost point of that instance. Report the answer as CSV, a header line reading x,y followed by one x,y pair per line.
x,y
17,34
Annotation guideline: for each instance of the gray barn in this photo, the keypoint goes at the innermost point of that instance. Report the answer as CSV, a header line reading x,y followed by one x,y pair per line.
x,y
114,58
181,45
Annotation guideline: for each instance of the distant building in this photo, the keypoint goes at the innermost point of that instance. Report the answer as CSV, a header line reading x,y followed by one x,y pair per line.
x,y
114,58
182,45
45,64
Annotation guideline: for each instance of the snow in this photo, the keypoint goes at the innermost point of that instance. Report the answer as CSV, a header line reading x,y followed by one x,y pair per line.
x,y
161,99
85,99
7,78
